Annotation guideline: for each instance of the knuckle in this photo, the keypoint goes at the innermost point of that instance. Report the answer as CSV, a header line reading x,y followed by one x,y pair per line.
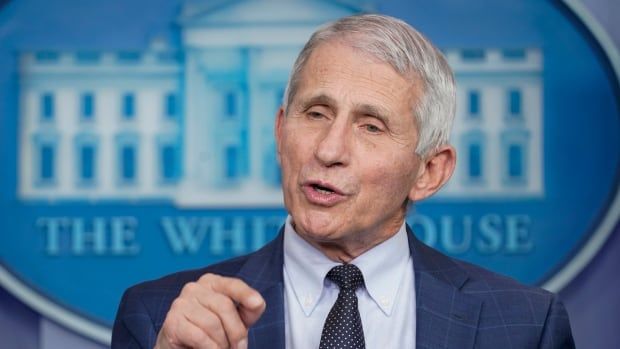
x,y
177,305
208,278
189,288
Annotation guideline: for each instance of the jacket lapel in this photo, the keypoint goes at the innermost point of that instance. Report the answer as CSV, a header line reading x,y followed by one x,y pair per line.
x,y
263,272
445,317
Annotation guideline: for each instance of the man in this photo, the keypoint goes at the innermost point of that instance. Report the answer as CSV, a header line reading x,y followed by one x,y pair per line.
x,y
363,133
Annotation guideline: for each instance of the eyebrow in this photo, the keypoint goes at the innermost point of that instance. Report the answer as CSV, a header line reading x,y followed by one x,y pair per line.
x,y
318,99
374,111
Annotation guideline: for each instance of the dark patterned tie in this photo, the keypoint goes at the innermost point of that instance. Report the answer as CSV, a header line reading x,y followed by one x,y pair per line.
x,y
343,326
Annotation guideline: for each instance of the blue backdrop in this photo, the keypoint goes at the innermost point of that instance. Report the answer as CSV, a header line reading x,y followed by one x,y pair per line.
x,y
534,237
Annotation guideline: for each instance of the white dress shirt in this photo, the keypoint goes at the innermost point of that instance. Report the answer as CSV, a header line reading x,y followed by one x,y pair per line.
x,y
386,303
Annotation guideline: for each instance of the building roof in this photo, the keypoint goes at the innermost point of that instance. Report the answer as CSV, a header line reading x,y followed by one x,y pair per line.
x,y
256,12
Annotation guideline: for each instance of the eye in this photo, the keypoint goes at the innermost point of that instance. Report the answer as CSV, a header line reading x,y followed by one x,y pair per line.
x,y
315,115
372,128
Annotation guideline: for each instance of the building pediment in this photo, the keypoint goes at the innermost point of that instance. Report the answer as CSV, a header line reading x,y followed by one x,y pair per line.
x,y
266,12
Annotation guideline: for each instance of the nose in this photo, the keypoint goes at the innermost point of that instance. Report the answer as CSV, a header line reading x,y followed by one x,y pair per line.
x,y
333,148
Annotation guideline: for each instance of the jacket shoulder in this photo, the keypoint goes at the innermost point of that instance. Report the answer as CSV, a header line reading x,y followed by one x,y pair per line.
x,y
482,279
530,313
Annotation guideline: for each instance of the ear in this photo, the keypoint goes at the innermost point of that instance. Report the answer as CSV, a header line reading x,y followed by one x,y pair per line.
x,y
277,129
435,170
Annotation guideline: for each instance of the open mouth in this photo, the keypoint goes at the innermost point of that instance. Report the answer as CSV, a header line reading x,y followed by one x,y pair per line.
x,y
323,193
321,189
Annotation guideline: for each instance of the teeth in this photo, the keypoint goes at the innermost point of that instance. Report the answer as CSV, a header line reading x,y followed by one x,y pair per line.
x,y
324,191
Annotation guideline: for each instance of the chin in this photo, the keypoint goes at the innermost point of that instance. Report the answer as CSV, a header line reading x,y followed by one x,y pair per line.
x,y
317,226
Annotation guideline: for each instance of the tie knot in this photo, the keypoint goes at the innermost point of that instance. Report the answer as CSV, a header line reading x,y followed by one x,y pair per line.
x,y
346,276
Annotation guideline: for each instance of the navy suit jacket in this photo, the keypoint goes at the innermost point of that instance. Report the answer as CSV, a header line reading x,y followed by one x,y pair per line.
x,y
458,305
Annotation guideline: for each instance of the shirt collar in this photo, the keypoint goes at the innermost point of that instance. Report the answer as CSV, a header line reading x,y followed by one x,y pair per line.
x,y
384,267
306,268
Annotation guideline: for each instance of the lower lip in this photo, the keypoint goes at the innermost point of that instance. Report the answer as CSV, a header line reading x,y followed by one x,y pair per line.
x,y
321,198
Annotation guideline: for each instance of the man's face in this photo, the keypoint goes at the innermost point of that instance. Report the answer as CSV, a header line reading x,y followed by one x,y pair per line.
x,y
347,148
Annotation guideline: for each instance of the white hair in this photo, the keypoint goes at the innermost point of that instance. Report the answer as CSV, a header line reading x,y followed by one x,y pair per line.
x,y
414,57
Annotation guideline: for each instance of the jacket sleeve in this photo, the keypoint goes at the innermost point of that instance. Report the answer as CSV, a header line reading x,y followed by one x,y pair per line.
x,y
556,332
133,326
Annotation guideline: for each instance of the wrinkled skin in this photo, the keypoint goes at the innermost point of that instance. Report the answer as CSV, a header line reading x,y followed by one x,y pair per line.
x,y
346,146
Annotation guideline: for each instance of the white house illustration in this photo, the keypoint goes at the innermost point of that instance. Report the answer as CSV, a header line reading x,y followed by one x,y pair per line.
x,y
498,129
193,124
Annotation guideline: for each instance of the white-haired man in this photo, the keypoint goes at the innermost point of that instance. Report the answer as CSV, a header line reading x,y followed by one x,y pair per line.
x,y
362,133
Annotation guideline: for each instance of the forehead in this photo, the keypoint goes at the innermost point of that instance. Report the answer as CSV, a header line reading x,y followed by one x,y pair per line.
x,y
350,75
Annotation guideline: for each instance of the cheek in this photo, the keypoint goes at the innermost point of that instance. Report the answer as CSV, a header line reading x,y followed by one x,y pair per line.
x,y
291,156
391,179
298,142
